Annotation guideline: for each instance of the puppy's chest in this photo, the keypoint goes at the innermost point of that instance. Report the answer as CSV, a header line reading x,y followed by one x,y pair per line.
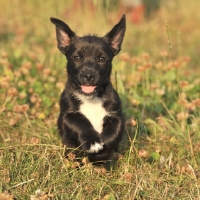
x,y
94,111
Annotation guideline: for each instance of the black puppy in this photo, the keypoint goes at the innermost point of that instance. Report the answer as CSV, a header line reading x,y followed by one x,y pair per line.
x,y
90,110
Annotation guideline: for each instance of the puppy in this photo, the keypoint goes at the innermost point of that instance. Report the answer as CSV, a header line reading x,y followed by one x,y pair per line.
x,y
90,117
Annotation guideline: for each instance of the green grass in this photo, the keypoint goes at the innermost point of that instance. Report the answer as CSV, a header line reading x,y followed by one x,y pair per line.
x,y
157,77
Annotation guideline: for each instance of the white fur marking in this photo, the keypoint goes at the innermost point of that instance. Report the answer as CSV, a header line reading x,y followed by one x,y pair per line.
x,y
94,111
95,148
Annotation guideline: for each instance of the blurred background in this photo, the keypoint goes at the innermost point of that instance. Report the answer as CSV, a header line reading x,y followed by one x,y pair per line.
x,y
146,22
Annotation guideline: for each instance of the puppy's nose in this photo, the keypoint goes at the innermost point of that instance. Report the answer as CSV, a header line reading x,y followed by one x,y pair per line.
x,y
88,78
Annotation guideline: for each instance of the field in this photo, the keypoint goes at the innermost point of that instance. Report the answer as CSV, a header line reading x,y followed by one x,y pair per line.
x,y
157,74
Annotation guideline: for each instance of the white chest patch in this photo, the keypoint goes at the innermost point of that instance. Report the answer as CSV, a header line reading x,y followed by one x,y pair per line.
x,y
94,111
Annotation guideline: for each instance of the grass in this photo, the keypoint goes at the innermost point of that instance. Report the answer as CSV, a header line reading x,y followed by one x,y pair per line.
x,y
157,77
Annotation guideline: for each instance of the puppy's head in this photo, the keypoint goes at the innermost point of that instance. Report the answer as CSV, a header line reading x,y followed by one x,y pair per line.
x,y
90,57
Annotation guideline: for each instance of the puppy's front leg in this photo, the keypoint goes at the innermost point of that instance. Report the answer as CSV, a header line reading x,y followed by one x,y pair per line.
x,y
79,126
112,132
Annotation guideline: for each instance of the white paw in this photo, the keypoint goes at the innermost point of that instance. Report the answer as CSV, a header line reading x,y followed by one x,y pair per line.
x,y
95,148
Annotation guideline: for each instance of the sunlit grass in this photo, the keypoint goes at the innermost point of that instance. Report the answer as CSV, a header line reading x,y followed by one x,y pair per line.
x,y
160,152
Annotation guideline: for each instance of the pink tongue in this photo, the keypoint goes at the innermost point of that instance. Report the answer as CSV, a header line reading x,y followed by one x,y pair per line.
x,y
87,88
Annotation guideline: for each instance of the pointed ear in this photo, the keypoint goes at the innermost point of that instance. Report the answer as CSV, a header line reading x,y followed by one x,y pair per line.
x,y
63,33
116,35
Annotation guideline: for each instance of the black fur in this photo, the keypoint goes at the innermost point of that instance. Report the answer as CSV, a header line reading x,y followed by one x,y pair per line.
x,y
89,65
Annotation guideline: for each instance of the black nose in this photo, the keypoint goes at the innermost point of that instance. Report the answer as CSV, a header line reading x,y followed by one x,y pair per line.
x,y
87,78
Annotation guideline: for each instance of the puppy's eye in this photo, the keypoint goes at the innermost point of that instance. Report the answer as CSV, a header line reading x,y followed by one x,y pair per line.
x,y
102,59
77,58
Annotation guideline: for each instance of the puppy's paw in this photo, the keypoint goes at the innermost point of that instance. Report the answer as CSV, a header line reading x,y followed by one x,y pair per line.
x,y
96,147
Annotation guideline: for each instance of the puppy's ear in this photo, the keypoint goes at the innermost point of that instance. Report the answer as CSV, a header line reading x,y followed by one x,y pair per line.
x,y
116,35
63,33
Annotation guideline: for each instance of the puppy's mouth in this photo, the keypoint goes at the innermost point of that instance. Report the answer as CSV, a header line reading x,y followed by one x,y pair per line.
x,y
88,89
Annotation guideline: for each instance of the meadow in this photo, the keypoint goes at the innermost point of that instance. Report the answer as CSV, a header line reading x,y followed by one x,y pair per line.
x,y
157,75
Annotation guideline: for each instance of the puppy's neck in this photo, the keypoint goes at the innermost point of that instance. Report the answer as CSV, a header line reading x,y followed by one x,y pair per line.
x,y
83,97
